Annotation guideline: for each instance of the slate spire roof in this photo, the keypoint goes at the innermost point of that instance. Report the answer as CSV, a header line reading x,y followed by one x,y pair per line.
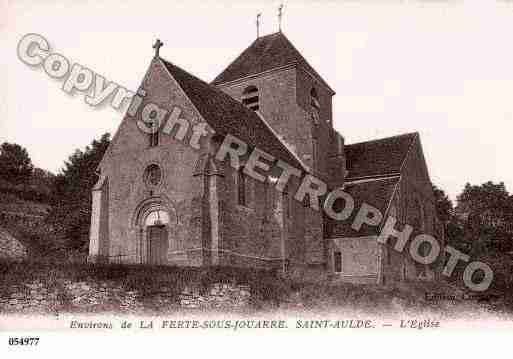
x,y
264,54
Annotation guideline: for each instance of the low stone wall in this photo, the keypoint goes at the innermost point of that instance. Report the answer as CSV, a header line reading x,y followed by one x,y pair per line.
x,y
219,296
107,296
10,247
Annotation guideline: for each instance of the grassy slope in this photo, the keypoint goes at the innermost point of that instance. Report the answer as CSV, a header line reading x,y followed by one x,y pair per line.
x,y
12,203
34,238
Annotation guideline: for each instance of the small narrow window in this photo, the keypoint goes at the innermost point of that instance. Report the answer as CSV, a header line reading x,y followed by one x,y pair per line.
x,y
250,98
286,204
241,188
337,261
286,265
314,151
153,139
314,99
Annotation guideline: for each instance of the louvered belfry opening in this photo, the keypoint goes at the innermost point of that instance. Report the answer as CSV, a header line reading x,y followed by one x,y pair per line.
x,y
250,98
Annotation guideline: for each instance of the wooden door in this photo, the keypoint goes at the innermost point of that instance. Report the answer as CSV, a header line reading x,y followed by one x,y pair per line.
x,y
157,245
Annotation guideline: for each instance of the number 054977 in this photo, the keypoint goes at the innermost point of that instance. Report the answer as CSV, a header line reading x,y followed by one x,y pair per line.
x,y
23,341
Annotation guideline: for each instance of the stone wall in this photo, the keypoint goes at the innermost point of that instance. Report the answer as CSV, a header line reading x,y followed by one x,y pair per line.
x,y
396,266
360,259
413,204
416,205
107,296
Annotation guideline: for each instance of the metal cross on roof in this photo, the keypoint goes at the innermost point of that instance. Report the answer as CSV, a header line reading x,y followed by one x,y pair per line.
x,y
280,14
258,24
157,45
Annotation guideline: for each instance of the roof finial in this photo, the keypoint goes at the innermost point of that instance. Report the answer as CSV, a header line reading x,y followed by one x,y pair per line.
x,y
258,24
157,45
280,14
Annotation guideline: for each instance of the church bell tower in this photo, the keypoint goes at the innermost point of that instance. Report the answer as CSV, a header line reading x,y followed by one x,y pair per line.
x,y
273,78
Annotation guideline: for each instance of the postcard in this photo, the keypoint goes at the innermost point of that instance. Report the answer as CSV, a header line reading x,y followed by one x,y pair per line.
x,y
306,174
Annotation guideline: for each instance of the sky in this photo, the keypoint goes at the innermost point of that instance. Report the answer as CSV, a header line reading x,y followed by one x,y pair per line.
x,y
444,69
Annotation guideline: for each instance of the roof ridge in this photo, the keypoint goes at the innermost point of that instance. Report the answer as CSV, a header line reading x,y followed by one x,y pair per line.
x,y
372,179
384,138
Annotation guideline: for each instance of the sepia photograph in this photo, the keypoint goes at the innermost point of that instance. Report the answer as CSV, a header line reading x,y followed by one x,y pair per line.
x,y
330,172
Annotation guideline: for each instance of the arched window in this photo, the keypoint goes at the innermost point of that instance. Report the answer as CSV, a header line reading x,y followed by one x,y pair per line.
x,y
152,175
250,98
314,99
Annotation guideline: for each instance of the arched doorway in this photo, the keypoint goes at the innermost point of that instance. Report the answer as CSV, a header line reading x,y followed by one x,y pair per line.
x,y
155,221
156,231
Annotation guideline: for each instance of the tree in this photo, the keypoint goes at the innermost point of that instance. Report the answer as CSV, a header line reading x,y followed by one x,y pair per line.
x,y
487,215
443,205
71,213
453,228
42,178
15,164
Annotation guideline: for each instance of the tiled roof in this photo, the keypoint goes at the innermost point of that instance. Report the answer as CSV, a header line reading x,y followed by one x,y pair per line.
x,y
228,116
378,157
264,54
375,192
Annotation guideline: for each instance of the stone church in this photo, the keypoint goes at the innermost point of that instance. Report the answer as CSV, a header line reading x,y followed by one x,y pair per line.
x,y
160,200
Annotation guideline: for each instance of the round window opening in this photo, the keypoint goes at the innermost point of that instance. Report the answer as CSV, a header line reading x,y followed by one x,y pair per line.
x,y
152,175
